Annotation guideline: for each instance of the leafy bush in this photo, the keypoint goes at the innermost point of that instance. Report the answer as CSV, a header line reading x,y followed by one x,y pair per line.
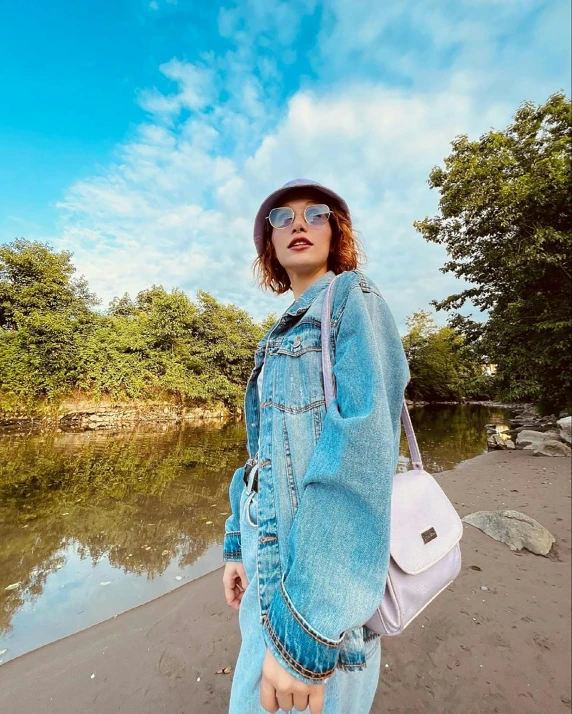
x,y
53,343
442,366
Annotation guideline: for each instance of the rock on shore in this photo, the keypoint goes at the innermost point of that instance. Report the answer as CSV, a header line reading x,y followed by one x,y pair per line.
x,y
545,436
516,529
565,426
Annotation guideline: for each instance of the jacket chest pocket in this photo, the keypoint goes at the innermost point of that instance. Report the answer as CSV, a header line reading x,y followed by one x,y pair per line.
x,y
299,385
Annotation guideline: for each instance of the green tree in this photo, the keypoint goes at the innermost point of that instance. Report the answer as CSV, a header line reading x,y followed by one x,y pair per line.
x,y
122,307
45,315
163,344
169,318
268,321
442,366
34,278
506,222
228,338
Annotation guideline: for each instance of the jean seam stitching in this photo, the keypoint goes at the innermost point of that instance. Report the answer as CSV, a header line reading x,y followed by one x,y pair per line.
x,y
343,665
300,410
303,625
297,666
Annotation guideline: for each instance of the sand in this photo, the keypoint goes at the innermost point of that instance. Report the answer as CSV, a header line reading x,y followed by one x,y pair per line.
x,y
505,649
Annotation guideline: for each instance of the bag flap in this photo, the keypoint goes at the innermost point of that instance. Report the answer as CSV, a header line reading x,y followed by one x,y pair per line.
x,y
424,523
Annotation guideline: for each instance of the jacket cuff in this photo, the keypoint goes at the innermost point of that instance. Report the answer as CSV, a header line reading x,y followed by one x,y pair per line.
x,y
231,549
305,653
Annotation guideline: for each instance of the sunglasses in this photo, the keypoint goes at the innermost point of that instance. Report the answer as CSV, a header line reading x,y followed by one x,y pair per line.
x,y
316,214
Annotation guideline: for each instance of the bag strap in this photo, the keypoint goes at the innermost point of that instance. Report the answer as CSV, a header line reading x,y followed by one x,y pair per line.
x,y
330,383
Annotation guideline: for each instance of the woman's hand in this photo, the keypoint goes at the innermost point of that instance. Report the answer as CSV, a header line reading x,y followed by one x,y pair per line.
x,y
280,690
235,583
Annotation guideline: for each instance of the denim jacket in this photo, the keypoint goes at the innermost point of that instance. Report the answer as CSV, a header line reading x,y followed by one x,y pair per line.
x,y
325,478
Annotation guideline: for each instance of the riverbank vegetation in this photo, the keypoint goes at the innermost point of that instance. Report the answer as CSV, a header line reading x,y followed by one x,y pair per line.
x,y
159,345
442,366
55,343
506,222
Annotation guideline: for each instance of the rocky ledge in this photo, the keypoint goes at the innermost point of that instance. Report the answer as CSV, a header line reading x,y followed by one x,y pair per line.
x,y
90,416
544,436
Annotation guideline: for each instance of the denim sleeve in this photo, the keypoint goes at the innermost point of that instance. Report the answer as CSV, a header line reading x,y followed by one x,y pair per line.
x,y
232,548
338,549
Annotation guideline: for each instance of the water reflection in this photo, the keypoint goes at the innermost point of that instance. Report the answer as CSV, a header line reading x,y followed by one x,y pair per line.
x,y
140,502
94,523
448,434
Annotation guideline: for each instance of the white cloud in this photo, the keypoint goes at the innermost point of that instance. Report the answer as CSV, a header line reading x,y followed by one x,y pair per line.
x,y
374,146
195,89
177,205
416,39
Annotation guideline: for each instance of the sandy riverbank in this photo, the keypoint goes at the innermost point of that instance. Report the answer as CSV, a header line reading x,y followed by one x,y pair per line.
x,y
505,650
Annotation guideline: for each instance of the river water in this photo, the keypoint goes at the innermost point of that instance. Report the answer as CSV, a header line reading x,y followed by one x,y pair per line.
x,y
95,523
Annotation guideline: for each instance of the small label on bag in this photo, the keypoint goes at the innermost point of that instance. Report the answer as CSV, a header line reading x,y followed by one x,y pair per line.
x,y
429,535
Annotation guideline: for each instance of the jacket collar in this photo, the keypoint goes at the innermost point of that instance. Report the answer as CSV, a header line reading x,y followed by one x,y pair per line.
x,y
310,294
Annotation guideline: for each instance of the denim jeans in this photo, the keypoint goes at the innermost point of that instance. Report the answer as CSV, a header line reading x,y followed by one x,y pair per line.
x,y
347,692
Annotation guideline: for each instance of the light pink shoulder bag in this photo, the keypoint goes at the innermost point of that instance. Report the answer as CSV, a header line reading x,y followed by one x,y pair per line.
x,y
425,556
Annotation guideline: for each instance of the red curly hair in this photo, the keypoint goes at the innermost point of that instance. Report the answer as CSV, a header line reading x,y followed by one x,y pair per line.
x,y
346,252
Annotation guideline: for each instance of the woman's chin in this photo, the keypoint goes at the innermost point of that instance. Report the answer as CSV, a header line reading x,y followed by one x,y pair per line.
x,y
302,263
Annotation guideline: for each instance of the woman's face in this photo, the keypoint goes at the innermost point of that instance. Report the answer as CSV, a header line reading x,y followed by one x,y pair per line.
x,y
301,248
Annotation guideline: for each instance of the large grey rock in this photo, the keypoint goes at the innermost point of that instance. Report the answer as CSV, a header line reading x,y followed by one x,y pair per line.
x,y
528,415
546,426
565,426
496,441
529,439
528,422
515,529
535,426
553,434
551,447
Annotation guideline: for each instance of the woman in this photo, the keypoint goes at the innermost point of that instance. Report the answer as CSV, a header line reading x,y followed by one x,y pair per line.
x,y
307,544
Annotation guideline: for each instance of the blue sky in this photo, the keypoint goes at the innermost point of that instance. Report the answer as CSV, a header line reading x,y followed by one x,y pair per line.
x,y
143,134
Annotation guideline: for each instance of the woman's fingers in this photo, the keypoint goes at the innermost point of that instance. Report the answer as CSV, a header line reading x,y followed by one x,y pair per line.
x,y
228,585
300,701
242,575
280,688
232,580
235,604
316,699
285,702
268,696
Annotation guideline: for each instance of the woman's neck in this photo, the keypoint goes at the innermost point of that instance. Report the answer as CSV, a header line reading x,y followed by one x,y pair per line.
x,y
299,282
